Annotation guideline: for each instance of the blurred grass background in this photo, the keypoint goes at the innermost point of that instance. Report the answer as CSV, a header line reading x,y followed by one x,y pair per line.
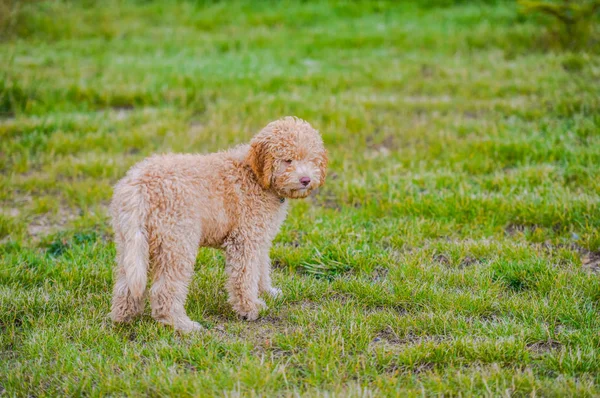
x,y
454,248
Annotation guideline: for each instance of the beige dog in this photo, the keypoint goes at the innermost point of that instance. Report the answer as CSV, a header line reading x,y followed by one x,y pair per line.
x,y
169,205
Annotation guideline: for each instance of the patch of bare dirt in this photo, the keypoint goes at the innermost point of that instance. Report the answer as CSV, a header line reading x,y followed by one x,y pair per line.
x,y
389,337
542,347
591,262
10,211
343,298
423,367
514,229
46,224
380,274
260,334
468,261
442,259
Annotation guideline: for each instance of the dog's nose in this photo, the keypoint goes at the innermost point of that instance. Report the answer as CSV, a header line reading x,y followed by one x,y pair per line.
x,y
305,181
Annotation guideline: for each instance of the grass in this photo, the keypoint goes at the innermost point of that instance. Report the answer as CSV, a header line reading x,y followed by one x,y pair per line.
x,y
453,250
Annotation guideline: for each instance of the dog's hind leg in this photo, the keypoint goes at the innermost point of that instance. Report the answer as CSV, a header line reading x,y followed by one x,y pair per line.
x,y
125,305
129,211
173,267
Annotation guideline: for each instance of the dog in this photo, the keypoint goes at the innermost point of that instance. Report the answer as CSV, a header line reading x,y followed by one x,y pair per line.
x,y
168,206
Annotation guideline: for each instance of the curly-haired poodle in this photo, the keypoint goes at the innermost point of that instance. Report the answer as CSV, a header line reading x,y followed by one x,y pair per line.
x,y
169,205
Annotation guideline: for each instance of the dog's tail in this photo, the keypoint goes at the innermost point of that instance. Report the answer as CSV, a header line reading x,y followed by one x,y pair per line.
x,y
130,212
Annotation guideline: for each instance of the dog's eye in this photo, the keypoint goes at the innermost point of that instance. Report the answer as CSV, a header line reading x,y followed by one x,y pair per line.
x,y
289,161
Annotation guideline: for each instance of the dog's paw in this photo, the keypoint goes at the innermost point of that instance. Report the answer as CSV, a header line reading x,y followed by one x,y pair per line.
x,y
250,315
275,292
188,326
251,312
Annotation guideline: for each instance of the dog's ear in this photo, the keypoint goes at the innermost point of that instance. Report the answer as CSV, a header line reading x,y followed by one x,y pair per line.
x,y
261,162
323,161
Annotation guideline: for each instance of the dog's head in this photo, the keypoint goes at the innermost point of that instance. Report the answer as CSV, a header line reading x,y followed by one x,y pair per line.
x,y
288,157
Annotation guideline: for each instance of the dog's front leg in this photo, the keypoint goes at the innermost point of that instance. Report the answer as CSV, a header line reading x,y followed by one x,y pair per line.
x,y
264,284
244,270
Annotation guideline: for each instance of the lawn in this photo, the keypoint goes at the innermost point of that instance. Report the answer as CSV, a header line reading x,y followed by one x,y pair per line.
x,y
455,248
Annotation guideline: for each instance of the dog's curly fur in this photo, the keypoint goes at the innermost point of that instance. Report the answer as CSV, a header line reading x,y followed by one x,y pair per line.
x,y
169,205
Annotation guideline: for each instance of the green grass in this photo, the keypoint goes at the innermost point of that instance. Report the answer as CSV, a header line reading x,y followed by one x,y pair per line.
x,y
449,252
